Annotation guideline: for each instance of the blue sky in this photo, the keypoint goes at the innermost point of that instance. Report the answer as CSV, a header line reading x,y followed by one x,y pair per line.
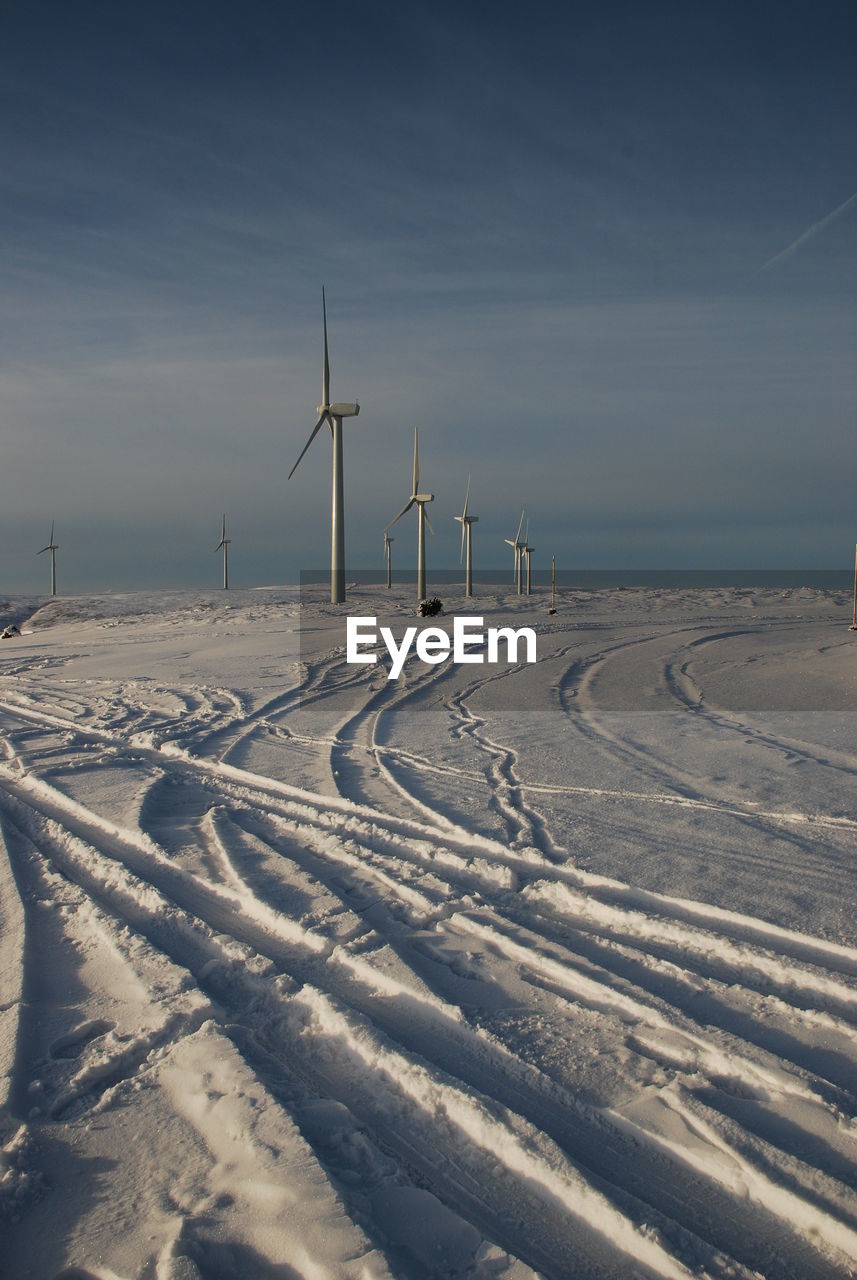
x,y
569,243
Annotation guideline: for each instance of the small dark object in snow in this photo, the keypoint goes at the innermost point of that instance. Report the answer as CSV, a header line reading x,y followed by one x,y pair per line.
x,y
430,608
551,610
8,632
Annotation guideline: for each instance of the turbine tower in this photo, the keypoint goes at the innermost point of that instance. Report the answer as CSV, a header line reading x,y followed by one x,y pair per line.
x,y
420,499
224,545
53,547
332,414
519,559
388,556
466,521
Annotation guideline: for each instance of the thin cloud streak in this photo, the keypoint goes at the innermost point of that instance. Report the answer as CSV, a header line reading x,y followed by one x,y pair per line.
x,y
810,233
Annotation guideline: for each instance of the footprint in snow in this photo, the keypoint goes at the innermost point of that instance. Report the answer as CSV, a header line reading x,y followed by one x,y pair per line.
x,y
74,1042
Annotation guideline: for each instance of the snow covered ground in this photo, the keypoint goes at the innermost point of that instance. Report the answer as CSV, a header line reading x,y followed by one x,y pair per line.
x,y
487,972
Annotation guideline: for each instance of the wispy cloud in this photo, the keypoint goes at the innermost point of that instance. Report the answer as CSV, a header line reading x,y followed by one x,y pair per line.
x,y
810,233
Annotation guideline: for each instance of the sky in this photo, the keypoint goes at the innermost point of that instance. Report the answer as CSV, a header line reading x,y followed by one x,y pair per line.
x,y
604,256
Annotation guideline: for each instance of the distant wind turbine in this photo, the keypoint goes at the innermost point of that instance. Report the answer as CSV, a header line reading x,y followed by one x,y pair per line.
x,y
332,414
223,545
388,556
527,550
420,499
518,546
53,547
466,521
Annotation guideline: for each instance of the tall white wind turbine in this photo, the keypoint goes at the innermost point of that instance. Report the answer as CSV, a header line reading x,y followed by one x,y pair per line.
x,y
332,414
388,556
519,559
53,547
466,521
223,545
420,500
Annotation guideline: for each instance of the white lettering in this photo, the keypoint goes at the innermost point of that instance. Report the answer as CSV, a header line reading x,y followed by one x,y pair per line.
x,y
432,645
355,638
398,654
463,637
511,637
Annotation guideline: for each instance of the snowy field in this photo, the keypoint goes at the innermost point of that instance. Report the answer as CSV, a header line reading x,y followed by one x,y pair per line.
x,y
485,973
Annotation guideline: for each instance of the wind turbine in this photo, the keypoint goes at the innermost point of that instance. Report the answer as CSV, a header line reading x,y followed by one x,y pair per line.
x,y
466,521
388,556
527,550
53,547
518,546
224,544
422,520
332,414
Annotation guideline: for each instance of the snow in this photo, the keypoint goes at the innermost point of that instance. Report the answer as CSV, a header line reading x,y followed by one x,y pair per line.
x,y
489,971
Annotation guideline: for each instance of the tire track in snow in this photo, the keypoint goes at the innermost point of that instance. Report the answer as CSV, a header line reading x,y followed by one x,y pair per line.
x,y
399,835
104,1066
428,833
241,980
686,691
681,788
399,992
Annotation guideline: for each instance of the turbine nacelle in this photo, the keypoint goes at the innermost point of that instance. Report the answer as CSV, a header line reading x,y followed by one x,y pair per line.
x,y
337,411
418,500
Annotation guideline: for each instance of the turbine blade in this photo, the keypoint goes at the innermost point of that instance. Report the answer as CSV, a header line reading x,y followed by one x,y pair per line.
x,y
325,377
428,522
51,543
466,499
416,487
313,435
463,527
405,508
520,524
